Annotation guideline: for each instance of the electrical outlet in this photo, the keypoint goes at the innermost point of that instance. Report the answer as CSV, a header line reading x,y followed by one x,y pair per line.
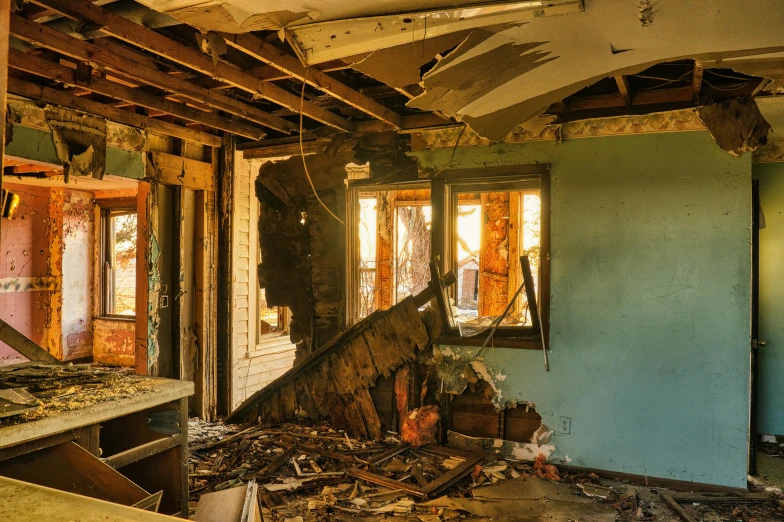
x,y
565,425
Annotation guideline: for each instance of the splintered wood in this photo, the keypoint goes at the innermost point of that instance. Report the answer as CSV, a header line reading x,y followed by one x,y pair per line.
x,y
334,380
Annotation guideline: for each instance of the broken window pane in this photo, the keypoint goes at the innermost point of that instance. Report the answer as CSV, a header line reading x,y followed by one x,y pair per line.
x,y
493,229
120,264
412,255
368,217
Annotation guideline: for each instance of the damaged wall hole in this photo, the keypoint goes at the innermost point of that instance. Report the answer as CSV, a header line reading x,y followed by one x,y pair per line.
x,y
473,413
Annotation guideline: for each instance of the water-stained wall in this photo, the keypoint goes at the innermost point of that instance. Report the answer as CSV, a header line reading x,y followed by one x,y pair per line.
x,y
650,272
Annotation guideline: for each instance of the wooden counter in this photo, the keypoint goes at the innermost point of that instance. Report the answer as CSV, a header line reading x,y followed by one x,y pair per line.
x,y
143,437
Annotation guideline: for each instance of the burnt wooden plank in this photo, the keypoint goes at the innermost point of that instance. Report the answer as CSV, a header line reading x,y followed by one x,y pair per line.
x,y
372,422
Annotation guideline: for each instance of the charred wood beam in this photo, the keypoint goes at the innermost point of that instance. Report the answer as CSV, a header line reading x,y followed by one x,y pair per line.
x,y
269,54
19,342
80,50
154,42
36,65
57,97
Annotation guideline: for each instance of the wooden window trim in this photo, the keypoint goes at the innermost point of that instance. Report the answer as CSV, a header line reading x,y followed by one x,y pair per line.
x,y
443,248
111,208
357,189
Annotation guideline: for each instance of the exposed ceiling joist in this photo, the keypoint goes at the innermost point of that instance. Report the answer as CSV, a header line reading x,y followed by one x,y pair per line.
x,y
623,87
149,40
320,42
65,75
267,53
57,97
696,80
79,50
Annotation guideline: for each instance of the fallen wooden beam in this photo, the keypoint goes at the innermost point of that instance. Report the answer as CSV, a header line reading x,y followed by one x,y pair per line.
x,y
80,50
147,39
39,66
56,97
267,53
333,381
19,342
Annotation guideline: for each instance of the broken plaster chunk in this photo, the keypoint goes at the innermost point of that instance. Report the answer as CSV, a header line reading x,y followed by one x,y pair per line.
x,y
736,125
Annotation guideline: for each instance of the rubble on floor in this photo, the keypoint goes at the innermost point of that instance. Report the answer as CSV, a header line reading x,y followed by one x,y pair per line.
x,y
34,391
314,472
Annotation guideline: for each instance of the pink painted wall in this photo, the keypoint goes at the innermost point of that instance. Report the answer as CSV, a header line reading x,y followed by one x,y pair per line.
x,y
25,251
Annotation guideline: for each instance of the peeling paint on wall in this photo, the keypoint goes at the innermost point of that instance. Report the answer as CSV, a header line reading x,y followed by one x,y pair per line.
x,y
459,367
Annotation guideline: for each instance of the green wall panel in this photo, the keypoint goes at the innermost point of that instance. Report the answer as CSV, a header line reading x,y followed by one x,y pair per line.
x,y
650,304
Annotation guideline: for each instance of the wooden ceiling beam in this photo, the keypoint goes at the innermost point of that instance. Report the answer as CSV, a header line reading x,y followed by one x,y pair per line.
x,y
152,41
623,88
80,50
57,97
64,75
289,64
696,80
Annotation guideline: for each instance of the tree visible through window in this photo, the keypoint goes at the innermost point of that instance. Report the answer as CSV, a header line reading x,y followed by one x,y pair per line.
x,y
119,263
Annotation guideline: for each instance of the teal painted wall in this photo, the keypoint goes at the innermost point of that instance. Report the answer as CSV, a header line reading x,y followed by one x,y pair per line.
x,y
771,356
37,145
650,304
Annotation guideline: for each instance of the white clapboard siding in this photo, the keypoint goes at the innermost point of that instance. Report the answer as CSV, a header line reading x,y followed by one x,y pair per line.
x,y
255,364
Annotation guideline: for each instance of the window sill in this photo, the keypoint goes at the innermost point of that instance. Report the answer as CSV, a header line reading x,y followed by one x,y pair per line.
x,y
121,318
521,343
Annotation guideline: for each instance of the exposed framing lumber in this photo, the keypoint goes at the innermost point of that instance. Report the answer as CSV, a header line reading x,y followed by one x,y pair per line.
x,y
36,65
57,97
152,41
177,170
19,342
696,80
623,87
138,453
267,53
80,50
5,12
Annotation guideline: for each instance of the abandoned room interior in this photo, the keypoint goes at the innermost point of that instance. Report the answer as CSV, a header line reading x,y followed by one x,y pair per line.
x,y
415,260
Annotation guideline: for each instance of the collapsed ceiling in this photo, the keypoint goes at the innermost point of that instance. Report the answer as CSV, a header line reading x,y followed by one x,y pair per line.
x,y
496,77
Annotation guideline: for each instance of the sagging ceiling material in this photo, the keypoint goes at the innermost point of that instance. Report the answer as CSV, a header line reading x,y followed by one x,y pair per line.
x,y
321,42
500,76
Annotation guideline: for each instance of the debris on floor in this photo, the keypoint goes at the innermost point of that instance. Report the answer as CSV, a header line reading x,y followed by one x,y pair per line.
x,y
318,473
34,391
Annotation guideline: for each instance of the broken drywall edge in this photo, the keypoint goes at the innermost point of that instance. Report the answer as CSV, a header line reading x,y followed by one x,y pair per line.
x,y
459,366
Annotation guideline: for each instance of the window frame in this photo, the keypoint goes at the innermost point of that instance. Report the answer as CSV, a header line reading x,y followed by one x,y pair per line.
x,y
444,191
108,211
352,274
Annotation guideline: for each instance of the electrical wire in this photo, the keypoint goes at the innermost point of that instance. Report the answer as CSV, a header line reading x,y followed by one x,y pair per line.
x,y
731,77
731,87
302,149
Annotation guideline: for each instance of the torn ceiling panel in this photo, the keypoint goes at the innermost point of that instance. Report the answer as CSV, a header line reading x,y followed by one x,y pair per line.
x,y
736,125
400,66
320,42
238,16
554,57
772,109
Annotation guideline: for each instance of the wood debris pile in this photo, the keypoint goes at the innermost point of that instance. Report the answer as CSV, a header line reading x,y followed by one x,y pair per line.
x,y
318,473
31,392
